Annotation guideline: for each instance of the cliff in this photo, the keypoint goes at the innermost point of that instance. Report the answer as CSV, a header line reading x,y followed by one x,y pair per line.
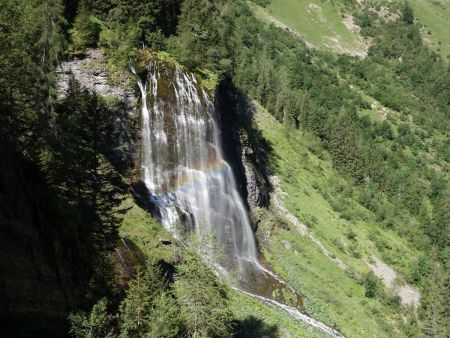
x,y
44,255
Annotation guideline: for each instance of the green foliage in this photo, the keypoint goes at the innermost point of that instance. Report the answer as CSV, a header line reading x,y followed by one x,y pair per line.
x,y
76,163
196,305
203,36
434,307
85,32
96,324
262,3
31,41
165,320
122,27
439,231
371,285
203,301
136,308
344,145
419,269
352,241
407,14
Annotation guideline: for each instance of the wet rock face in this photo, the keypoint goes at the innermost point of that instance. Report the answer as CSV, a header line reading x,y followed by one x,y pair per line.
x,y
240,150
91,72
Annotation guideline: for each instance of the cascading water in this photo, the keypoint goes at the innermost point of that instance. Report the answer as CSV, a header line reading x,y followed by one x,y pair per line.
x,y
192,185
184,170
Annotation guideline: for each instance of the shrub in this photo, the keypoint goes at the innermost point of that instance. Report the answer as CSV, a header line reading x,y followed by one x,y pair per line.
x,y
371,285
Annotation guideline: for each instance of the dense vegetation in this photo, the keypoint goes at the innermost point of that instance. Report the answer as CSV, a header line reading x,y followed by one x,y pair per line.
x,y
394,165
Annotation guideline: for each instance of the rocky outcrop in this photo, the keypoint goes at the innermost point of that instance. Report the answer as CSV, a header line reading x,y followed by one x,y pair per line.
x,y
406,293
91,72
243,148
256,184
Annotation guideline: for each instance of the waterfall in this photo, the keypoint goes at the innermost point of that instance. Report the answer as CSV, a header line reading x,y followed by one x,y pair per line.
x,y
194,187
184,169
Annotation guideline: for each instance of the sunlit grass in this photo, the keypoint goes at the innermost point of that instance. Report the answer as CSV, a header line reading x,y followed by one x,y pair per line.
x,y
332,295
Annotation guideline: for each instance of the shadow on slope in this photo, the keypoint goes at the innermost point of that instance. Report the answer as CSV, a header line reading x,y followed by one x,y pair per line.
x,y
45,253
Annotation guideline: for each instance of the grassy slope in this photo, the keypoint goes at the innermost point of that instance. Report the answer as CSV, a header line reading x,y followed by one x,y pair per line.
x,y
316,21
275,322
435,16
332,296
146,233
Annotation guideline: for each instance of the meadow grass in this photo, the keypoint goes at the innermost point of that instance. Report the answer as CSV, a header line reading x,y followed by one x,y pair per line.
x,y
319,23
332,294
435,16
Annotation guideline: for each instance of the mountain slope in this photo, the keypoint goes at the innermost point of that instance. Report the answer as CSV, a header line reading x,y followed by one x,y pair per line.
x,y
334,25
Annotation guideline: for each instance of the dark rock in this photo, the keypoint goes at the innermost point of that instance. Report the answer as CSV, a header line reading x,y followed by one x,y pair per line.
x,y
165,241
243,147
44,256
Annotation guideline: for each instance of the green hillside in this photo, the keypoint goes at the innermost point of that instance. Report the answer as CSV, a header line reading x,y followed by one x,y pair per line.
x,y
312,187
319,23
435,17
225,168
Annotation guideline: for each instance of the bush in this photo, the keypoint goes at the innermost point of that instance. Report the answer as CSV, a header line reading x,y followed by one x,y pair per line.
x,y
262,3
371,285
407,14
93,325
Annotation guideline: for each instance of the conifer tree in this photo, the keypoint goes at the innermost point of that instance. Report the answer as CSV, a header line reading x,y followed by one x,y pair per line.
x,y
203,300
77,164
136,309
433,303
50,46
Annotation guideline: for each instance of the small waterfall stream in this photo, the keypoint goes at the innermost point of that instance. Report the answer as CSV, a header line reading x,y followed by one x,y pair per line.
x,y
192,185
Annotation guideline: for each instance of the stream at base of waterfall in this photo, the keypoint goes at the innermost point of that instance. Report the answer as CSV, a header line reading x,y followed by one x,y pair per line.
x,y
194,188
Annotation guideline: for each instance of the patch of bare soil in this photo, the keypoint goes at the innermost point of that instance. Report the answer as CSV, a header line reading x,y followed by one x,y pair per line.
x,y
408,295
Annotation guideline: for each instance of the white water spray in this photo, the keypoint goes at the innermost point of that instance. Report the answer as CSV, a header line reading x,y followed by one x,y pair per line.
x,y
183,167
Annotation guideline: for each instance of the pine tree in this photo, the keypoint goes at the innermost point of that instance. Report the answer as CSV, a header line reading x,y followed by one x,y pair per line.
x,y
136,309
344,145
203,300
165,320
446,298
19,91
50,46
77,164
433,304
